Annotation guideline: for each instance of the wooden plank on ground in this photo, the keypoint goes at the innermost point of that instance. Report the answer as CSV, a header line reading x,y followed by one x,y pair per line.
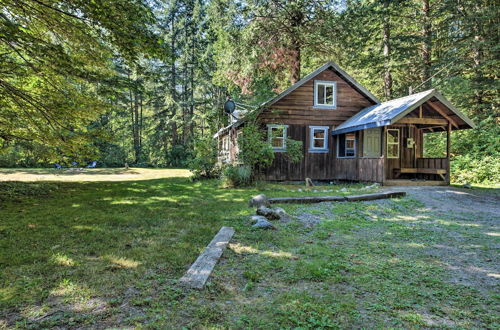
x,y
197,275
320,199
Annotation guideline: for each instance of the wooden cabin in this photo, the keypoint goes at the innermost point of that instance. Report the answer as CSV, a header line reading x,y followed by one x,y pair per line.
x,y
348,134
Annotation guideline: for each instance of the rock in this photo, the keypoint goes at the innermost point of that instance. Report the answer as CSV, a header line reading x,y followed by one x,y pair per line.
x,y
315,190
261,222
273,213
299,190
467,186
282,213
258,201
267,212
309,183
375,185
343,190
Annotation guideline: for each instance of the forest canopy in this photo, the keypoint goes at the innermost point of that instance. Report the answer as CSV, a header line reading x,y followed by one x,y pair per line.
x,y
140,81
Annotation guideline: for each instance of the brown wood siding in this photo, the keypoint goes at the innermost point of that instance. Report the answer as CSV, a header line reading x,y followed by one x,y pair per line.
x,y
371,169
297,111
298,107
313,165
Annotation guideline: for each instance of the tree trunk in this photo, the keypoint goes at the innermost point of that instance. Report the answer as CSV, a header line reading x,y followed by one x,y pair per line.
x,y
387,52
426,44
173,81
477,56
137,147
295,65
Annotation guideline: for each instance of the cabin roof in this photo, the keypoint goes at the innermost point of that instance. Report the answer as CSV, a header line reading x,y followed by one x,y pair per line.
x,y
389,112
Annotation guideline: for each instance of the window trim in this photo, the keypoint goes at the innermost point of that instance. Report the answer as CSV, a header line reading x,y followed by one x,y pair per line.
x,y
392,143
355,145
312,148
325,106
283,136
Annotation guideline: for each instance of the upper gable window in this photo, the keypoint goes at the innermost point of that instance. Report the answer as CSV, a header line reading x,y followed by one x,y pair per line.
x,y
325,94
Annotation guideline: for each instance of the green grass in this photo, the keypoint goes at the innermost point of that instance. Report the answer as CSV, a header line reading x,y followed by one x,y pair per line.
x,y
109,254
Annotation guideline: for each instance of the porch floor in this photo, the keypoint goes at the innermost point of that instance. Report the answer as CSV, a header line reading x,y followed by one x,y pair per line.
x,y
414,183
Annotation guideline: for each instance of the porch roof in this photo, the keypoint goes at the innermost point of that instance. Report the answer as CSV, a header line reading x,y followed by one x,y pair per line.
x,y
389,112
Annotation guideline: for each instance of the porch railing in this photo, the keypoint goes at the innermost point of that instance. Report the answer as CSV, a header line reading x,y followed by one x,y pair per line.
x,y
437,163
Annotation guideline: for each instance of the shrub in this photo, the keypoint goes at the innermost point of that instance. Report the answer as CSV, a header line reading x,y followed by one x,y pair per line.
x,y
294,150
254,150
236,176
204,161
257,153
465,169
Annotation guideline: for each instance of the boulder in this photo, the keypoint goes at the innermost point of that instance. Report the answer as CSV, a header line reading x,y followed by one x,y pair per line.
x,y
467,186
258,201
276,213
267,212
281,213
343,190
261,223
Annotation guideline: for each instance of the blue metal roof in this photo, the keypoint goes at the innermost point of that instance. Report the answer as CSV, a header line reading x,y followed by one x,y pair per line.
x,y
384,113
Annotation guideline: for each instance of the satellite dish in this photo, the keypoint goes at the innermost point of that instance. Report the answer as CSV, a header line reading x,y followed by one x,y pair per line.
x,y
229,106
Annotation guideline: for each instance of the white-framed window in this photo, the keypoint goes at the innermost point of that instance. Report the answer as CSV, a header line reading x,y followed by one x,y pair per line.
x,y
325,94
346,145
225,143
276,135
393,143
318,138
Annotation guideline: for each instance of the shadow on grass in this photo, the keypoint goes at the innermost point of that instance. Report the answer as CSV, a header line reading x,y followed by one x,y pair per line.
x,y
92,240
90,247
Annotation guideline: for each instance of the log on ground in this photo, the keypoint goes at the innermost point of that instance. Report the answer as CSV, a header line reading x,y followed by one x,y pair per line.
x,y
320,199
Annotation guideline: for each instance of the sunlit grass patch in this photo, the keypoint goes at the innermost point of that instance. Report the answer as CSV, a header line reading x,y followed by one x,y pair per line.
x,y
109,254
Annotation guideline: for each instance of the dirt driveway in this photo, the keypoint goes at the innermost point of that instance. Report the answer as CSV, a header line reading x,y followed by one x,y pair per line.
x,y
477,202
471,218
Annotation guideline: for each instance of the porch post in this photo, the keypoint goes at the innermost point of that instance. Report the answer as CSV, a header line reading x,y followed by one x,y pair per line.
x,y
384,154
448,150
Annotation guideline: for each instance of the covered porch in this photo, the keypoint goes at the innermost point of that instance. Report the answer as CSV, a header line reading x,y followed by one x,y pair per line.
x,y
391,137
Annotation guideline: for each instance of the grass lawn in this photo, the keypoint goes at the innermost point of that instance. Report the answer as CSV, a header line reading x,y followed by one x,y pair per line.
x,y
109,254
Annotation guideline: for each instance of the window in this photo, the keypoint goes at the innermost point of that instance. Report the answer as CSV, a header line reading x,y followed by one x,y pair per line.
x,y
276,135
225,143
319,139
346,145
371,142
393,143
325,94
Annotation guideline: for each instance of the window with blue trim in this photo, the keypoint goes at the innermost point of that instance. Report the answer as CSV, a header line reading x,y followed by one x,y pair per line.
x,y
346,145
318,138
325,94
277,135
